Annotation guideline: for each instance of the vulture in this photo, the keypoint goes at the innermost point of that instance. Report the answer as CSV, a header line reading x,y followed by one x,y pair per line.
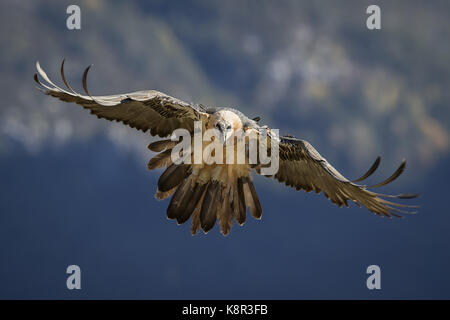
x,y
208,192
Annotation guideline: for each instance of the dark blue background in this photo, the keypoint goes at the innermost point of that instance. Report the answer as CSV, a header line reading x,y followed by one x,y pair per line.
x,y
70,207
81,195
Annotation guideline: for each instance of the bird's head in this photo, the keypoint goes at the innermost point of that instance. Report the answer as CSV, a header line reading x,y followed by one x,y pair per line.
x,y
226,122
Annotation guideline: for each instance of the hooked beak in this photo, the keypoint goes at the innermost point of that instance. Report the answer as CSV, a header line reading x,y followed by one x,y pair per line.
x,y
225,131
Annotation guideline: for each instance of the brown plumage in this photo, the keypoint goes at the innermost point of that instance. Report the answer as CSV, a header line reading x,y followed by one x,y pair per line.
x,y
207,193
173,176
302,167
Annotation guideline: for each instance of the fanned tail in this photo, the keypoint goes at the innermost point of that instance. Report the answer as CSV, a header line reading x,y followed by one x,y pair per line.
x,y
213,201
222,198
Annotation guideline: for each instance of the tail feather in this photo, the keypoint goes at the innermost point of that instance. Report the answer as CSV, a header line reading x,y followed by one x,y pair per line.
x,y
239,209
190,202
208,214
251,198
163,195
195,227
225,214
255,205
182,193
207,201
161,145
160,160
173,176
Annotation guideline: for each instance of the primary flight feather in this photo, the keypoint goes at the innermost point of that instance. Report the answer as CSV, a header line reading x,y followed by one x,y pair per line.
x,y
210,192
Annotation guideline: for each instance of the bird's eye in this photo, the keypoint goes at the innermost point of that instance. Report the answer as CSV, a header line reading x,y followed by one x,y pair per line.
x,y
228,127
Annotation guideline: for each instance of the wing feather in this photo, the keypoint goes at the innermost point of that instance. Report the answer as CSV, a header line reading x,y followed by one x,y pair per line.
x,y
301,166
144,110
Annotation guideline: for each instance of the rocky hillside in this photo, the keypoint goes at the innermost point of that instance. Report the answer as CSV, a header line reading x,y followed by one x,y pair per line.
x,y
310,68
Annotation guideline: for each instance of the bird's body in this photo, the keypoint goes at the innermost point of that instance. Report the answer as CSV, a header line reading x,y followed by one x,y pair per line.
x,y
210,191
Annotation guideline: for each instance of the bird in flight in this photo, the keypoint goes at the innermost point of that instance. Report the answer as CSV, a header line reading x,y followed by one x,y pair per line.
x,y
210,192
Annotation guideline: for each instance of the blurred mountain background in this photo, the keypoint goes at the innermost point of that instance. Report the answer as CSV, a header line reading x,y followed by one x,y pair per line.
x,y
75,189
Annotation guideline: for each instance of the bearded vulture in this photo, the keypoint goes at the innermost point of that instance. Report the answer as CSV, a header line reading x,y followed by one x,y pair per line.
x,y
223,192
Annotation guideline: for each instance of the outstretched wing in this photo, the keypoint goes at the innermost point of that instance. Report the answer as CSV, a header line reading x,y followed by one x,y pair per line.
x,y
302,167
143,110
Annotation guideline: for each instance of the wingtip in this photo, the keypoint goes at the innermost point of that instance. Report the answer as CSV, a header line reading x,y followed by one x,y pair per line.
x,y
39,68
394,176
63,77
369,172
84,80
40,86
409,195
400,196
403,163
87,69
